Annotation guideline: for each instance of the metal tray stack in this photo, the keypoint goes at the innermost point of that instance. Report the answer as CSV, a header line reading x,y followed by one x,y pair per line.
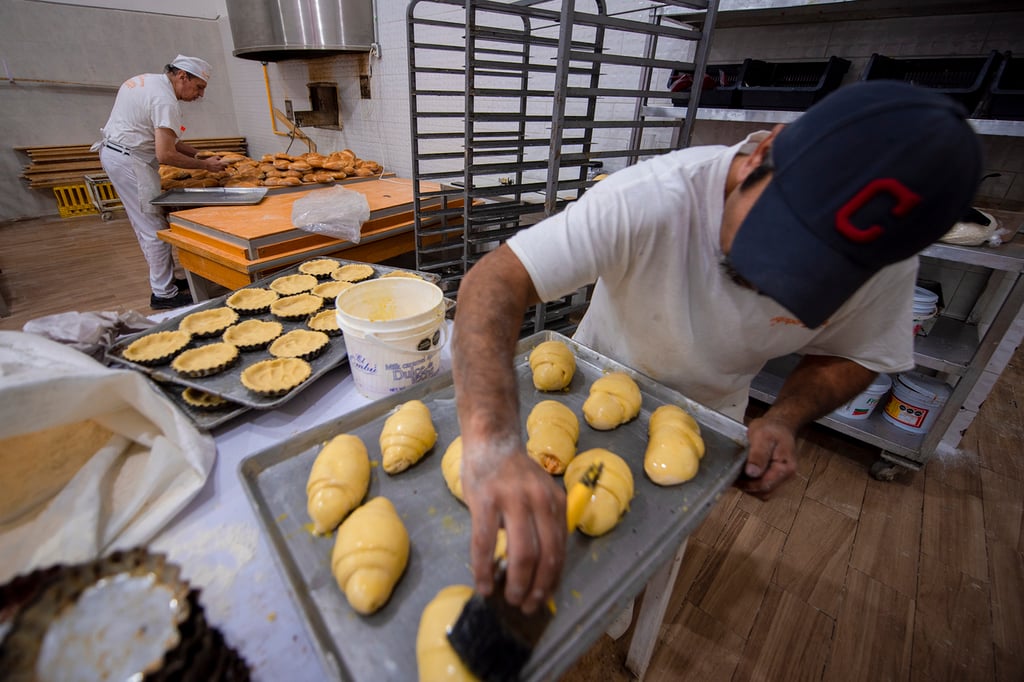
x,y
228,384
601,574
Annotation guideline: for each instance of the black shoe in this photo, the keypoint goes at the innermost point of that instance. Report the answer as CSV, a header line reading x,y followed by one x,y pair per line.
x,y
176,301
182,284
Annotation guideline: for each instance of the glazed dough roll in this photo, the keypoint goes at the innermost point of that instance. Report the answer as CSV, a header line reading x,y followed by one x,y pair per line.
x,y
553,430
451,468
435,658
337,482
553,365
611,497
370,555
674,446
407,435
614,400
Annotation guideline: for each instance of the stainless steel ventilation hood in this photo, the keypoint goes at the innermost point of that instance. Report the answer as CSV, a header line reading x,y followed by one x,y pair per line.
x,y
276,30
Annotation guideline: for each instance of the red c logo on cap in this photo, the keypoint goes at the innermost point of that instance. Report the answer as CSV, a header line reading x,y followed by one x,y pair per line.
x,y
905,200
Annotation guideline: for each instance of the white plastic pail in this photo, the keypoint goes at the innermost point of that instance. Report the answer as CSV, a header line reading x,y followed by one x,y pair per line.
x,y
916,401
926,306
393,330
864,404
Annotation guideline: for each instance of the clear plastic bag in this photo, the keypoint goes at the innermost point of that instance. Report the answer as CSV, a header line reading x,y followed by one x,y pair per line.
x,y
967,233
334,211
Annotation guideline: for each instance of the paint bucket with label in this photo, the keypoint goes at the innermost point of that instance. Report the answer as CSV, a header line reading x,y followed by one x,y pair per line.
x,y
916,401
926,306
394,331
864,404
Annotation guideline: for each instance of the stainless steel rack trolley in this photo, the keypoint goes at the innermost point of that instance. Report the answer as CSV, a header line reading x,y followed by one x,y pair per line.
x,y
513,102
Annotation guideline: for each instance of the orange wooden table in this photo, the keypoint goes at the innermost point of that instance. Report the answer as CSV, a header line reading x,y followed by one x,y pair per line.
x,y
233,246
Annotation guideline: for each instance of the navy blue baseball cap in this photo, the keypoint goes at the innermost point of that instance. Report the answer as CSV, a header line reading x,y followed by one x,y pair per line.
x,y
868,176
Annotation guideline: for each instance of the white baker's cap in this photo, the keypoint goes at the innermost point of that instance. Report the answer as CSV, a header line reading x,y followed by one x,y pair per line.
x,y
193,65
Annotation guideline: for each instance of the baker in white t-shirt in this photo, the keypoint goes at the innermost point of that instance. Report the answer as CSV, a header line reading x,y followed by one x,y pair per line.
x,y
708,262
144,130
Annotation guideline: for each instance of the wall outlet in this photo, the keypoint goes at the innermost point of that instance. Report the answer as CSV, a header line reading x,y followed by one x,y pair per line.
x,y
289,112
364,87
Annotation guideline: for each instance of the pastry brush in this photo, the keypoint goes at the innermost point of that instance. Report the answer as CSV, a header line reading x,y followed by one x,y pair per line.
x,y
495,639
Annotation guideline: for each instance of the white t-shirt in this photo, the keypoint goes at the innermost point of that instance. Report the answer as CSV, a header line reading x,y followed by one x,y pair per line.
x,y
649,236
144,103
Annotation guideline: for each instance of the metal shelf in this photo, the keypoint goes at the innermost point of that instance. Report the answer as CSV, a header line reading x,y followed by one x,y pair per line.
x,y
982,126
875,430
741,13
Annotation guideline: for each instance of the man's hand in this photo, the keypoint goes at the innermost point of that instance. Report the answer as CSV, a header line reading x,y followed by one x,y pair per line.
x,y
509,490
214,164
772,457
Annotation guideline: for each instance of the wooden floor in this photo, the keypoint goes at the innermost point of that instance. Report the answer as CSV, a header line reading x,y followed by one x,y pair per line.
x,y
839,577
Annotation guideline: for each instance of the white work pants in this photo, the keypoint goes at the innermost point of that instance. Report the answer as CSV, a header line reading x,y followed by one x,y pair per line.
x,y
124,172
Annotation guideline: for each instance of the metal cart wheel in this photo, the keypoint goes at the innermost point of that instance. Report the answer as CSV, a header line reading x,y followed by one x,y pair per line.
x,y
107,216
884,470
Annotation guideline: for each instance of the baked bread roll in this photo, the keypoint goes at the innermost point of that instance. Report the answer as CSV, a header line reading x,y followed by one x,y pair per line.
x,y
435,657
612,494
407,435
451,468
614,400
674,446
553,365
337,482
552,430
370,555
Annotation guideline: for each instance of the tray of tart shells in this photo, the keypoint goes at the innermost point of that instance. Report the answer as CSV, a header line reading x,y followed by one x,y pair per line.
x,y
602,572
258,346
206,410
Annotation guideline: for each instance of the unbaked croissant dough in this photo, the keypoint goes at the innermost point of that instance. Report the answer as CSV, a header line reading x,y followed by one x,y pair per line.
x,y
435,657
614,399
451,468
553,365
553,430
370,555
674,446
337,482
612,494
407,435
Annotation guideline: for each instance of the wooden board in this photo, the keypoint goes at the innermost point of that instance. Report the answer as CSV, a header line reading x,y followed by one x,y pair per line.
x,y
272,217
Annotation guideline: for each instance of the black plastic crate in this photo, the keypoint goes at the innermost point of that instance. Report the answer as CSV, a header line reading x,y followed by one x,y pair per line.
x,y
1006,99
790,85
725,78
965,79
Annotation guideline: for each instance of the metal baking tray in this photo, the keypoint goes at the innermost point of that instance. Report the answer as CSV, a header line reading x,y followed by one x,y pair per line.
x,y
601,574
211,196
204,419
228,384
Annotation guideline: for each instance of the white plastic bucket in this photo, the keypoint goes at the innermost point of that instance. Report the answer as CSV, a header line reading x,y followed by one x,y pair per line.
x,y
864,404
926,306
916,401
394,331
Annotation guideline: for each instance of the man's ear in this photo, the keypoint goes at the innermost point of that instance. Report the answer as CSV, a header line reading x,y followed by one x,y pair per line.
x,y
760,154
763,150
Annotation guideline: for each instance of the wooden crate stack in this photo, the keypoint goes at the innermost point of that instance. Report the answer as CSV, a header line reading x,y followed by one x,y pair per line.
x,y
63,165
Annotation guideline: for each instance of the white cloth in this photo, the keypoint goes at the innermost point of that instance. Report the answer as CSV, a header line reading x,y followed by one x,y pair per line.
x,y
649,236
134,181
148,460
143,104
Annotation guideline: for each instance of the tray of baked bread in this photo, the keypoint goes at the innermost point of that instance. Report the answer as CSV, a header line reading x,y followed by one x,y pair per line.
x,y
602,572
260,345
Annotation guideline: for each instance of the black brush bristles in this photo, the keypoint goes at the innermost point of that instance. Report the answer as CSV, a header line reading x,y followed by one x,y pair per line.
x,y
493,638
